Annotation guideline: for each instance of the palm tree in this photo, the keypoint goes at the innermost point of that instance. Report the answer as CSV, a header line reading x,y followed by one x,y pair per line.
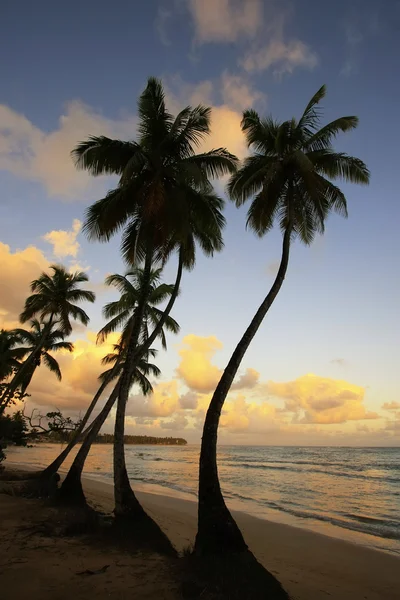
x,y
71,490
164,201
288,177
52,300
11,353
121,314
53,342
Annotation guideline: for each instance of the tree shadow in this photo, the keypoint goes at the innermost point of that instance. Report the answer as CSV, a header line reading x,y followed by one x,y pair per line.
x,y
228,577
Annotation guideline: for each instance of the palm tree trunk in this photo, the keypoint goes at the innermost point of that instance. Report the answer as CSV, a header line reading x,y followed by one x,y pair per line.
x,y
126,503
71,490
56,464
125,499
217,530
19,375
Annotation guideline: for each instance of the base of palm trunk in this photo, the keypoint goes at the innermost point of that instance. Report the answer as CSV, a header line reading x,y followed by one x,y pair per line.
x,y
235,576
218,532
71,491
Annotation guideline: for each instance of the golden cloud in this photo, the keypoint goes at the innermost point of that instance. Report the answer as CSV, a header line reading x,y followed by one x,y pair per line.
x,y
80,370
247,381
322,400
64,242
164,402
195,368
18,269
240,416
391,406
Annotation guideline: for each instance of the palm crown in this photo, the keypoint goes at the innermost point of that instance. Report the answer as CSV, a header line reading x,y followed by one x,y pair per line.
x,y
54,342
164,198
288,174
10,353
55,296
122,312
141,372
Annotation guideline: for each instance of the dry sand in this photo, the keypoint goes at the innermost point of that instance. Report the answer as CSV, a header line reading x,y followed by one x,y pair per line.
x,y
310,566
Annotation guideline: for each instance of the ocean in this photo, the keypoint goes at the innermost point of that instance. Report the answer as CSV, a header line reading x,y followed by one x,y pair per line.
x,y
348,493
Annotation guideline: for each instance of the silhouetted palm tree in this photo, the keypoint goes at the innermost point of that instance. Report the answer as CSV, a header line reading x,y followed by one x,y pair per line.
x,y
53,342
164,201
71,489
287,176
122,314
11,353
53,300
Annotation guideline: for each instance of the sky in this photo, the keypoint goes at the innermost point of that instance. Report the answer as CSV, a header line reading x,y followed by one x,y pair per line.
x,y
324,366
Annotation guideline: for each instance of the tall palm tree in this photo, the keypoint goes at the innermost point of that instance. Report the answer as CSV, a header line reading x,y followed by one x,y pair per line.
x,y
53,342
71,489
122,314
288,177
53,299
164,201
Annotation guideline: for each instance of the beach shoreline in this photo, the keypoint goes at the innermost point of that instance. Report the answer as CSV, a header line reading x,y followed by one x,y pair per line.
x,y
310,566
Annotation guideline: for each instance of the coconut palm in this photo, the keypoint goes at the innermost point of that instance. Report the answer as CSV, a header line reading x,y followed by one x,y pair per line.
x,y
53,299
288,179
164,202
11,353
122,314
71,490
53,342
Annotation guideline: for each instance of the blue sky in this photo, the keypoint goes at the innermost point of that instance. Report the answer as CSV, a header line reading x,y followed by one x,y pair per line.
x,y
67,74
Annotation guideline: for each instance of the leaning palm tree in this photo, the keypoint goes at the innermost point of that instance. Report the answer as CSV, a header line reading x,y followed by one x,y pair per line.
x,y
53,299
122,314
11,353
288,177
53,342
71,490
164,202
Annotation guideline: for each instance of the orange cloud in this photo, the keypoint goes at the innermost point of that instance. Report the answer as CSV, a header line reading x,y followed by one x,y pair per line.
x,y
64,242
18,269
322,400
164,402
195,368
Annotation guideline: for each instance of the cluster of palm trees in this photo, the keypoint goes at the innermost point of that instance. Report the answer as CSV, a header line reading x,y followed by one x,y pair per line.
x,y
164,205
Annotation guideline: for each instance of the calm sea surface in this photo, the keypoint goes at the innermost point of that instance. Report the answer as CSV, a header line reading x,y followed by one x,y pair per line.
x,y
350,493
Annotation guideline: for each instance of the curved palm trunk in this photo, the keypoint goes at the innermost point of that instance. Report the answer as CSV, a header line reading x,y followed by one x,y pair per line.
x,y
217,530
56,464
71,490
24,369
126,503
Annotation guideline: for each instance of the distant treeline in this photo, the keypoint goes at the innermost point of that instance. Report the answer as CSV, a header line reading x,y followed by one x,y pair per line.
x,y
108,438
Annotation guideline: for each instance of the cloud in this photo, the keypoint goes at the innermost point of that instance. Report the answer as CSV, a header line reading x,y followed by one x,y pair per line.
x,y
391,406
189,400
237,92
227,96
195,367
342,362
162,403
80,370
18,269
64,242
176,424
322,400
284,56
273,267
241,416
163,17
225,20
247,381
36,155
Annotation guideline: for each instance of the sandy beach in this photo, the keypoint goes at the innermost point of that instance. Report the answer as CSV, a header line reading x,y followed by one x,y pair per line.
x,y
309,565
